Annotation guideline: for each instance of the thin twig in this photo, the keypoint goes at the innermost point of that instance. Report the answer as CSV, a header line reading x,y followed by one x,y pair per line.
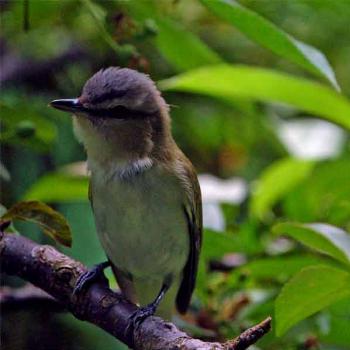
x,y
25,15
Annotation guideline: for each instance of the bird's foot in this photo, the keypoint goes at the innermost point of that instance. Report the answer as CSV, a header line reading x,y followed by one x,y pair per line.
x,y
141,314
138,317
89,277
144,312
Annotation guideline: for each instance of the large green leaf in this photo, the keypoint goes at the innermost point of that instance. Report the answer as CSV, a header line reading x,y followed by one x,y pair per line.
x,y
337,332
270,36
229,82
323,197
323,237
308,292
51,222
276,181
182,48
59,187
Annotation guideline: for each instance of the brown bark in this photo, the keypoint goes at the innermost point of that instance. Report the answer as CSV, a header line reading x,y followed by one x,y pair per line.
x,y
56,274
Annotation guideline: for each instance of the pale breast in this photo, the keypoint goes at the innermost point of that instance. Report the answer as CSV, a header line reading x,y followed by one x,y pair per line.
x,y
141,223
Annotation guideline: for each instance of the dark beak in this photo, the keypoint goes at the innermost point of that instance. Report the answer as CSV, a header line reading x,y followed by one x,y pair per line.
x,y
72,105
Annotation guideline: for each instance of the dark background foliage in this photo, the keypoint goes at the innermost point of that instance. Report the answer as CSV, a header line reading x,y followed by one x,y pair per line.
x,y
277,145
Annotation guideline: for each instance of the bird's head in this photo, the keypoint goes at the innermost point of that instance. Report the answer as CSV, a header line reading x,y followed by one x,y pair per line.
x,y
114,93
117,105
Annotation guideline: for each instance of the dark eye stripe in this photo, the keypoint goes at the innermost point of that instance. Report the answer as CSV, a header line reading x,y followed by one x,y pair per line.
x,y
118,112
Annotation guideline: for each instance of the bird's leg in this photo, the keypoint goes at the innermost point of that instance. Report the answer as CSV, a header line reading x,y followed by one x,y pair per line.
x,y
143,312
90,276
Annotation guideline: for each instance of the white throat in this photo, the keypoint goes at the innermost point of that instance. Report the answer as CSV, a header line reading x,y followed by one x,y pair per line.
x,y
106,160
118,169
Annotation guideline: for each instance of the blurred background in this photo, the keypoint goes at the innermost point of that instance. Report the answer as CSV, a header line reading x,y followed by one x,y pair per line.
x,y
267,154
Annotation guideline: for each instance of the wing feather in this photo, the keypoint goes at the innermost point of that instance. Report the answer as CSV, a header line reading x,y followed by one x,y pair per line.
x,y
193,213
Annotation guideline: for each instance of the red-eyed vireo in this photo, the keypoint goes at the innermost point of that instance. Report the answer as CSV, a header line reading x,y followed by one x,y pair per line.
x,y
144,192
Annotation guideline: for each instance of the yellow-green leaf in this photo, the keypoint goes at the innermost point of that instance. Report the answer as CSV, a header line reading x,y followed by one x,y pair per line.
x,y
50,221
309,291
276,181
231,81
59,187
325,238
268,35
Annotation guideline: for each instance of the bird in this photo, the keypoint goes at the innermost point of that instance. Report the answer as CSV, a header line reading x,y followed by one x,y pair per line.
x,y
143,190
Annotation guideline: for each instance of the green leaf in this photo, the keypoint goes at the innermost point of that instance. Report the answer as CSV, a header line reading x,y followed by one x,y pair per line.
x,y
276,181
277,268
59,187
337,332
8,225
229,82
189,51
51,222
216,244
324,197
24,124
99,15
182,48
268,35
323,237
4,173
3,210
308,292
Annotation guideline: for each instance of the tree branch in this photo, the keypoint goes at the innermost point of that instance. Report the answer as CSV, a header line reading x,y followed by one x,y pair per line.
x,y
56,274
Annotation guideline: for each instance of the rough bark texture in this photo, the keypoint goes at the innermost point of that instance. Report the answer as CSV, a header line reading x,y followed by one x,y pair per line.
x,y
56,274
